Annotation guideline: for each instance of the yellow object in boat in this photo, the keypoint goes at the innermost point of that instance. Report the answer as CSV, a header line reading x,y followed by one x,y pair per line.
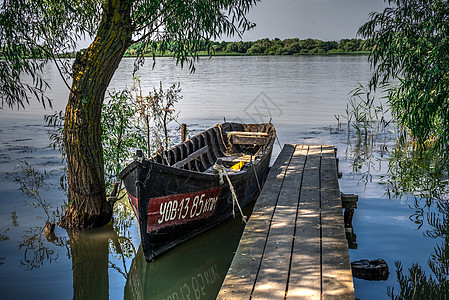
x,y
238,165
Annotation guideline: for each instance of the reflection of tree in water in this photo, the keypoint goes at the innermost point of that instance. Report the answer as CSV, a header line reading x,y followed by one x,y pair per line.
x,y
414,175
39,248
88,249
416,284
121,246
31,181
38,242
123,220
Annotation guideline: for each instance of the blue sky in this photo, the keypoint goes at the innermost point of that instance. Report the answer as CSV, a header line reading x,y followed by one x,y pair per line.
x,y
320,19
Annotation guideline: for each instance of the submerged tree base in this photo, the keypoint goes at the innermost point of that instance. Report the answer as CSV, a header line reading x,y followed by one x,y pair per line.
x,y
78,219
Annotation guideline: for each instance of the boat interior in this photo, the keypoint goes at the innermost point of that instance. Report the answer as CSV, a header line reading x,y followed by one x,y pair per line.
x,y
233,145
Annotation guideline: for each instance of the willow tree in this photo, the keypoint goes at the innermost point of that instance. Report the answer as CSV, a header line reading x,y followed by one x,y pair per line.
x,y
33,32
410,41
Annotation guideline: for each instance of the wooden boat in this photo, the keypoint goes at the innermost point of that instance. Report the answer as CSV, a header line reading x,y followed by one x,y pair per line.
x,y
181,192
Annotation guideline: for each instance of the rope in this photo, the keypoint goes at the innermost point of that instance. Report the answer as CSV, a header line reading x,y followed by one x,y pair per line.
x,y
279,143
222,139
222,170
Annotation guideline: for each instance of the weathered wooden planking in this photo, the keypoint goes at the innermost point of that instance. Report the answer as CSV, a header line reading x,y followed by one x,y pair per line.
x,y
291,249
337,280
273,275
249,140
241,276
231,133
191,157
305,273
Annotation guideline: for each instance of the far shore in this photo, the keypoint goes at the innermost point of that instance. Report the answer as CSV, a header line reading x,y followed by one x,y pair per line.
x,y
358,53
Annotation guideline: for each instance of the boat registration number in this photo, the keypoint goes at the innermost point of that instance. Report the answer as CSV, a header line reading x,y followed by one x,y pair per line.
x,y
181,208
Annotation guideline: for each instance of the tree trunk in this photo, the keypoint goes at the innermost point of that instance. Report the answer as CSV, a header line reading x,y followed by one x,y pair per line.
x,y
92,72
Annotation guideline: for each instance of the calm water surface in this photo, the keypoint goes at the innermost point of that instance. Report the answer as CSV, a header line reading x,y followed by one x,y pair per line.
x,y
300,94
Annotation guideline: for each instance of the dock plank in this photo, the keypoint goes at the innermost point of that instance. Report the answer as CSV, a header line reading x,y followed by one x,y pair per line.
x,y
305,274
273,274
294,245
337,280
239,281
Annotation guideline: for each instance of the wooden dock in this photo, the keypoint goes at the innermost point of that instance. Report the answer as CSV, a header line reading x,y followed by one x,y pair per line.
x,y
294,244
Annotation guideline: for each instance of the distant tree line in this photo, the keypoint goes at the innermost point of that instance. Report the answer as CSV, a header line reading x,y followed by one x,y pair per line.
x,y
265,46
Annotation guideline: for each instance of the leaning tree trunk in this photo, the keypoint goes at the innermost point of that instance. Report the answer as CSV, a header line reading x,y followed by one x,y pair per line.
x,y
92,72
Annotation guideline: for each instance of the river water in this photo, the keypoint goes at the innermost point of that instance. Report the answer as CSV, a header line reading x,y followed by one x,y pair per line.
x,y
301,95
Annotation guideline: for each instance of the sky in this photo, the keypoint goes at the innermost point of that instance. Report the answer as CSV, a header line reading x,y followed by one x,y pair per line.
x,y
327,20
319,19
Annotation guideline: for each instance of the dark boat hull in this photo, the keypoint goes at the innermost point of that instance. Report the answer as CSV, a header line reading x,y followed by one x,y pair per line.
x,y
176,204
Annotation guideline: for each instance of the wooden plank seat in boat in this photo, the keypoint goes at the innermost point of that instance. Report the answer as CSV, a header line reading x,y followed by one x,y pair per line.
x,y
237,158
229,161
247,138
234,163
195,155
247,133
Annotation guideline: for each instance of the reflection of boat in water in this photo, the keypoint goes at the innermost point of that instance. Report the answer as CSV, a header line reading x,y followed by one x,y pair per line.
x,y
194,270
180,192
